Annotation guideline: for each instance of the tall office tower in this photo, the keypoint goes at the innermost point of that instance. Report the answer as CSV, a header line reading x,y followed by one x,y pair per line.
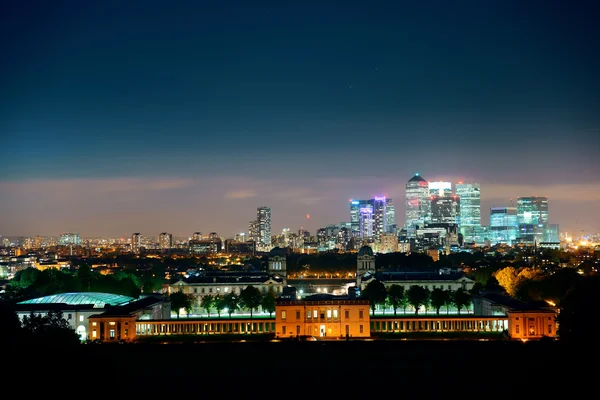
x,y
197,236
263,220
503,225
417,204
165,240
552,234
383,215
445,210
136,242
470,209
66,239
366,222
532,217
443,189
253,231
241,237
355,206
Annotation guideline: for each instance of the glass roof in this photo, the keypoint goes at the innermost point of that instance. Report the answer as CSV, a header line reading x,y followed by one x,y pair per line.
x,y
99,300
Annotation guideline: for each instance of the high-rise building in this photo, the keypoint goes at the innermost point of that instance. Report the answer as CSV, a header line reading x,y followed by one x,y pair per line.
x,y
379,220
165,240
263,220
445,210
67,239
136,242
197,236
503,225
417,204
470,209
532,217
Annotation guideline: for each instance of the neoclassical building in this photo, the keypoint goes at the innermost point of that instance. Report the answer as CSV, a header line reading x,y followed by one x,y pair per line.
x,y
213,283
366,272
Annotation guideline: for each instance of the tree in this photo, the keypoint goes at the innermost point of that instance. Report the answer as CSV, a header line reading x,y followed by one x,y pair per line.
x,y
231,302
250,298
376,293
180,300
461,299
220,304
268,302
395,295
507,278
49,329
207,303
438,298
579,317
417,296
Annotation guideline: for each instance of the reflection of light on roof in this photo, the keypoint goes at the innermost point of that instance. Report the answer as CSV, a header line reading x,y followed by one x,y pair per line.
x,y
99,300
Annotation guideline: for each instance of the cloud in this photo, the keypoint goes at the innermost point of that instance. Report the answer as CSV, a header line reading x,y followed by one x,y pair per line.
x,y
241,194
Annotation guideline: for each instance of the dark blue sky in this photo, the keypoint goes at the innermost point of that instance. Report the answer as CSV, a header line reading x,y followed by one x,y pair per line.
x,y
201,111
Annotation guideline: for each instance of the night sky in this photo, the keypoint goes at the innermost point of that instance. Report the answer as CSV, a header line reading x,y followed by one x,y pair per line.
x,y
181,116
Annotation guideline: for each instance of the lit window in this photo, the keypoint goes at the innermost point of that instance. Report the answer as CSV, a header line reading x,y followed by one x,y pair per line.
x,y
93,324
111,323
335,314
112,333
283,314
94,333
81,318
308,315
328,314
315,313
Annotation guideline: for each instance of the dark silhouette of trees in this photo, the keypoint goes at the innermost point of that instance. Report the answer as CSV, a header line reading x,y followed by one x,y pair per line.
x,y
269,302
395,295
180,300
231,302
376,293
250,298
48,329
579,317
417,296
461,299
438,297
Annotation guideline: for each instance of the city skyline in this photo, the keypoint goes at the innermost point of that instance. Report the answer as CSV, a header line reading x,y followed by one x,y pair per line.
x,y
135,117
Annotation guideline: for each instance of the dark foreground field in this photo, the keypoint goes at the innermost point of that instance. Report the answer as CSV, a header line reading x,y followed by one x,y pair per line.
x,y
470,369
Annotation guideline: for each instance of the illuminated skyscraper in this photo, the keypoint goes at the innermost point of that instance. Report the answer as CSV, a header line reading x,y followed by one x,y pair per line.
x,y
470,209
263,221
445,210
417,204
380,219
532,217
503,225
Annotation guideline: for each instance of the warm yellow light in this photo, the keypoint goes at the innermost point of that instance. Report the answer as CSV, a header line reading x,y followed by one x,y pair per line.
x,y
550,302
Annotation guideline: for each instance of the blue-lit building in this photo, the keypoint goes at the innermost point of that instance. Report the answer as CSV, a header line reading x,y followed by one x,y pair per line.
x,y
532,219
503,225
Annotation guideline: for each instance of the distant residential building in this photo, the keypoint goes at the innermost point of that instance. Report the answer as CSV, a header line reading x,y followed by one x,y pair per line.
x,y
67,239
136,242
165,241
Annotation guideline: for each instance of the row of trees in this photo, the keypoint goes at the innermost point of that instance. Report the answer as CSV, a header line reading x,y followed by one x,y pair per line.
x,y
395,296
250,299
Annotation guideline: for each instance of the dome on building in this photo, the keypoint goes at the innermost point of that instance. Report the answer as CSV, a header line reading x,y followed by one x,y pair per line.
x,y
365,251
277,252
417,178
99,300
